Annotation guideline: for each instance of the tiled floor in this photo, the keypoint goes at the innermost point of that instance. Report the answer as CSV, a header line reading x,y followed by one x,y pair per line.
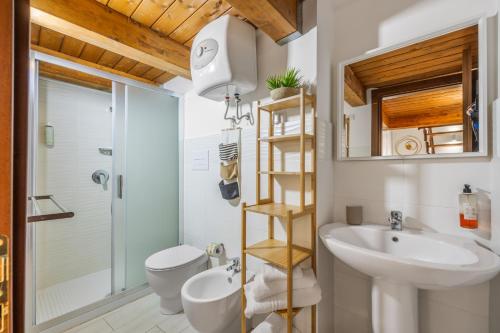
x,y
141,316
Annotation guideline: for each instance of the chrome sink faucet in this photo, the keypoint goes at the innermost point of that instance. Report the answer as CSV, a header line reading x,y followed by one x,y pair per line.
x,y
396,220
235,266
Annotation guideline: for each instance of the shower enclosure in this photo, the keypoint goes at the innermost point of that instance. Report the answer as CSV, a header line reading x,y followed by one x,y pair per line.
x,y
104,192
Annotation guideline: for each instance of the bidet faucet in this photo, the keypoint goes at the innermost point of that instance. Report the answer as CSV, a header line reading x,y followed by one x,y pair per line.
x,y
235,266
396,220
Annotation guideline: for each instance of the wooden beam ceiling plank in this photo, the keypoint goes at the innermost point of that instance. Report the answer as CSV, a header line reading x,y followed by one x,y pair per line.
x,y
35,34
125,7
90,64
389,59
125,64
94,23
176,14
50,39
165,77
109,59
72,46
139,69
354,90
91,53
211,10
149,11
416,73
71,76
439,117
411,68
460,37
415,60
152,73
277,18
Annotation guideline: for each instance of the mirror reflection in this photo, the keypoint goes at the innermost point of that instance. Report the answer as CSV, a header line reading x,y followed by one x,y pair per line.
x,y
421,99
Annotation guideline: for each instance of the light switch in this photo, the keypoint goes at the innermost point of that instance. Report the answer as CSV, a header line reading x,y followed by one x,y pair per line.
x,y
199,160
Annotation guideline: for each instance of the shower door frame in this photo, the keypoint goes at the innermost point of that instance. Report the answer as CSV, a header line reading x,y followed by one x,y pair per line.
x,y
115,300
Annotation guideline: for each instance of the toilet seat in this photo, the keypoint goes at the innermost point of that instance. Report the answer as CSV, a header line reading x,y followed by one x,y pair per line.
x,y
174,257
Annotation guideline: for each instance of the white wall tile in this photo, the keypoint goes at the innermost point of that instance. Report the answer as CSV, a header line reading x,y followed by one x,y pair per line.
x,y
70,248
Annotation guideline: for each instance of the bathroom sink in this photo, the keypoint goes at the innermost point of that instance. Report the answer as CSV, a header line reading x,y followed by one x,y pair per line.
x,y
427,260
402,261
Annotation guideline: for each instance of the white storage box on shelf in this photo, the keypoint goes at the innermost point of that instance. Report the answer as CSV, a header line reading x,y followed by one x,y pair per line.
x,y
224,59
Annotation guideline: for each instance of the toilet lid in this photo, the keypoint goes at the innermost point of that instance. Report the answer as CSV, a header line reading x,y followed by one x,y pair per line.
x,y
173,257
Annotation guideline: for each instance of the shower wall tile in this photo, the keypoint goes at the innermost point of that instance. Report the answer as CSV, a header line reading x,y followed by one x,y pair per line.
x,y
70,248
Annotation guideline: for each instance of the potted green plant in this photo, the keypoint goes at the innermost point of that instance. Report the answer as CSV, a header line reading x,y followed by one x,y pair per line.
x,y
284,85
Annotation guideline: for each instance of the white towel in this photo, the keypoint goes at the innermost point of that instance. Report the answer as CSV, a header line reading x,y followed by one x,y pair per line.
x,y
271,273
274,323
301,298
262,289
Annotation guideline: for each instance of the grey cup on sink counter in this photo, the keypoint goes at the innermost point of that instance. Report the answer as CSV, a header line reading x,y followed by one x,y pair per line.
x,y
354,215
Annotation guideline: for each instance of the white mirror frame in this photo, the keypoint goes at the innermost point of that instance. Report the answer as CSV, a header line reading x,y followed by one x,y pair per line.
x,y
483,92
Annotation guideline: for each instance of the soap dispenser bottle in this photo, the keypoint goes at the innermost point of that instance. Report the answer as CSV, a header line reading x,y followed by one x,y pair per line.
x,y
468,208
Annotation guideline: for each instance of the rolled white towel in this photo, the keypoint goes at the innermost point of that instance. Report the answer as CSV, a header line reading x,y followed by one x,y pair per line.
x,y
262,289
273,324
271,273
301,298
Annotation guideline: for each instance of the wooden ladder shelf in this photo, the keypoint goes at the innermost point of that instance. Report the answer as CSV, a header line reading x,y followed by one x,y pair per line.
x,y
283,253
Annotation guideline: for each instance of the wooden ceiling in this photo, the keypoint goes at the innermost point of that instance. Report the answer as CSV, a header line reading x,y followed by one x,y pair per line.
x,y
434,57
66,47
426,108
180,20
146,40
75,77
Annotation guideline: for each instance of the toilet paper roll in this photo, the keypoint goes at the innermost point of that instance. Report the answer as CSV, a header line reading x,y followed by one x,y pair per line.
x,y
215,249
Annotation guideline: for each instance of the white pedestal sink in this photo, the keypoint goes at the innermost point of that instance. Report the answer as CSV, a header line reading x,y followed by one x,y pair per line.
x,y
402,261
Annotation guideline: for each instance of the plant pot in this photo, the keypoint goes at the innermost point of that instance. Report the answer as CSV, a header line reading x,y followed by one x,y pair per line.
x,y
283,92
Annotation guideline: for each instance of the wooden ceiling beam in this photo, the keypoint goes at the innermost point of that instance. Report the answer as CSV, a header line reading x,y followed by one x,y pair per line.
x,y
354,90
277,18
75,77
91,22
90,64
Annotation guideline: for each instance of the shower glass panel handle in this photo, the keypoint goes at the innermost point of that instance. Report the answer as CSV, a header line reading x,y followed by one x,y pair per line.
x,y
119,187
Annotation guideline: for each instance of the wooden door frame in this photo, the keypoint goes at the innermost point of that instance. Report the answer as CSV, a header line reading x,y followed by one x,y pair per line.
x,y
6,114
20,158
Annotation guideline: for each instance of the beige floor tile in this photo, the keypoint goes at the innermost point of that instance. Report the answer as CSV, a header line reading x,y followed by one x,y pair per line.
x,y
155,329
95,326
174,323
130,313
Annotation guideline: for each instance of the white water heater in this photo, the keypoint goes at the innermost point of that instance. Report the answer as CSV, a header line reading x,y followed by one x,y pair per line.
x,y
224,59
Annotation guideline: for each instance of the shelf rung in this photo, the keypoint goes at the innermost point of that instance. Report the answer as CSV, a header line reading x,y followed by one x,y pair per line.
x,y
286,103
275,252
285,137
284,173
279,209
284,312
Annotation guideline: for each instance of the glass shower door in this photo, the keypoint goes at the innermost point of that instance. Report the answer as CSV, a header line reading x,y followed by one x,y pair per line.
x,y
148,180
72,256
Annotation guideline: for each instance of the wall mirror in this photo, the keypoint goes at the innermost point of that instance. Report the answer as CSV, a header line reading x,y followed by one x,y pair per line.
x,y
423,99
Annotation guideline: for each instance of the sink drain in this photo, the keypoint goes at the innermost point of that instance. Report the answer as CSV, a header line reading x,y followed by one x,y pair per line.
x,y
395,239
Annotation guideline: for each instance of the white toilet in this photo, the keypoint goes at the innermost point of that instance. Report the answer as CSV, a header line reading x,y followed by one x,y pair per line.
x,y
167,271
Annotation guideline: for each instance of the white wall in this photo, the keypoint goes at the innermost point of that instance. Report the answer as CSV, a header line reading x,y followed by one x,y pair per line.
x,y
209,218
426,190
70,248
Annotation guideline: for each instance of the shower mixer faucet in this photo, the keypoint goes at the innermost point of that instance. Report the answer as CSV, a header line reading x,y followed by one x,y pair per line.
x,y
101,177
